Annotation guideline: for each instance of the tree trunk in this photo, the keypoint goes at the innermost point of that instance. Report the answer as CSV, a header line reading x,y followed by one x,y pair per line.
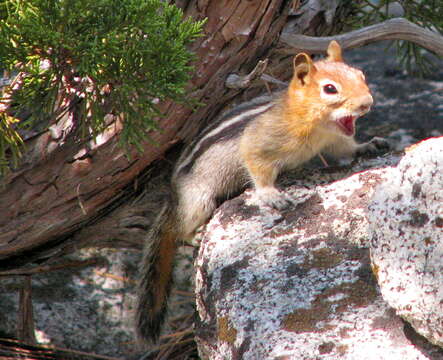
x,y
68,194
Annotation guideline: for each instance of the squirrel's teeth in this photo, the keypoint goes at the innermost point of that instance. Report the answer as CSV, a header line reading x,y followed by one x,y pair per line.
x,y
347,125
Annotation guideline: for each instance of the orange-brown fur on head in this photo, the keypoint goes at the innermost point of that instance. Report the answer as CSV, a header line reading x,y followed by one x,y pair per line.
x,y
309,109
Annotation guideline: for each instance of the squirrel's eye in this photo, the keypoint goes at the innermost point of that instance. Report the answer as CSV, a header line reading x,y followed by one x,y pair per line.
x,y
330,89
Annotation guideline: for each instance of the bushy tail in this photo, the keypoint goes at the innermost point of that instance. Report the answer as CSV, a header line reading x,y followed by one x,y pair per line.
x,y
156,274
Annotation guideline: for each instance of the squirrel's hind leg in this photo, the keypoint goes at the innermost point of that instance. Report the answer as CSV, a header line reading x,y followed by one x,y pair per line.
x,y
194,209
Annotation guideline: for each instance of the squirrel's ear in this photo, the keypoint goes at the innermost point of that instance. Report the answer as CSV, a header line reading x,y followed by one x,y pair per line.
x,y
303,69
334,51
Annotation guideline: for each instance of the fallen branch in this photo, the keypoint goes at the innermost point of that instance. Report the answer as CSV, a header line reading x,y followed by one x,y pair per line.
x,y
393,29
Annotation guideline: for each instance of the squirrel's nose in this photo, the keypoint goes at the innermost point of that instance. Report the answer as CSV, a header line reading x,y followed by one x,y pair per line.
x,y
366,104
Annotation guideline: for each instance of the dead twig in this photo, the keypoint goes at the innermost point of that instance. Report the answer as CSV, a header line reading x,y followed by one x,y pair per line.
x,y
178,334
30,351
235,81
273,80
116,277
49,268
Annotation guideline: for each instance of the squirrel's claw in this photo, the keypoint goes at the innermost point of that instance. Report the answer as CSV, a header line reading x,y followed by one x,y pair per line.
x,y
376,146
272,197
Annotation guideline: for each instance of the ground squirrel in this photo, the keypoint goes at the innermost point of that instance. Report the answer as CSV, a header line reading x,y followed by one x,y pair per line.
x,y
252,143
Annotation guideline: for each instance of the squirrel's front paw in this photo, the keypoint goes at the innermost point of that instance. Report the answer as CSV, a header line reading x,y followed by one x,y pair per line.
x,y
375,146
272,197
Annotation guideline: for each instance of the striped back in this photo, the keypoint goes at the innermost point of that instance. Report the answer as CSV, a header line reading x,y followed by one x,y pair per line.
x,y
226,127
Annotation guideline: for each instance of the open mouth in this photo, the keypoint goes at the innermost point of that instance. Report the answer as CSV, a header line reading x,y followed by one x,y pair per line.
x,y
347,124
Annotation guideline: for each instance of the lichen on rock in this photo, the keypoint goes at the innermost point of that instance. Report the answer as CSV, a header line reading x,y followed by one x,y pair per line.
x,y
406,216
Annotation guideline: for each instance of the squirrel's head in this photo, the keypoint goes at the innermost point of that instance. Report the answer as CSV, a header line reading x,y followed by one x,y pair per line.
x,y
329,92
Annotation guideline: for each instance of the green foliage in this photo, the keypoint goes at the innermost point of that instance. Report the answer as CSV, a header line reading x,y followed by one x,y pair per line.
x,y
9,140
425,13
118,56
